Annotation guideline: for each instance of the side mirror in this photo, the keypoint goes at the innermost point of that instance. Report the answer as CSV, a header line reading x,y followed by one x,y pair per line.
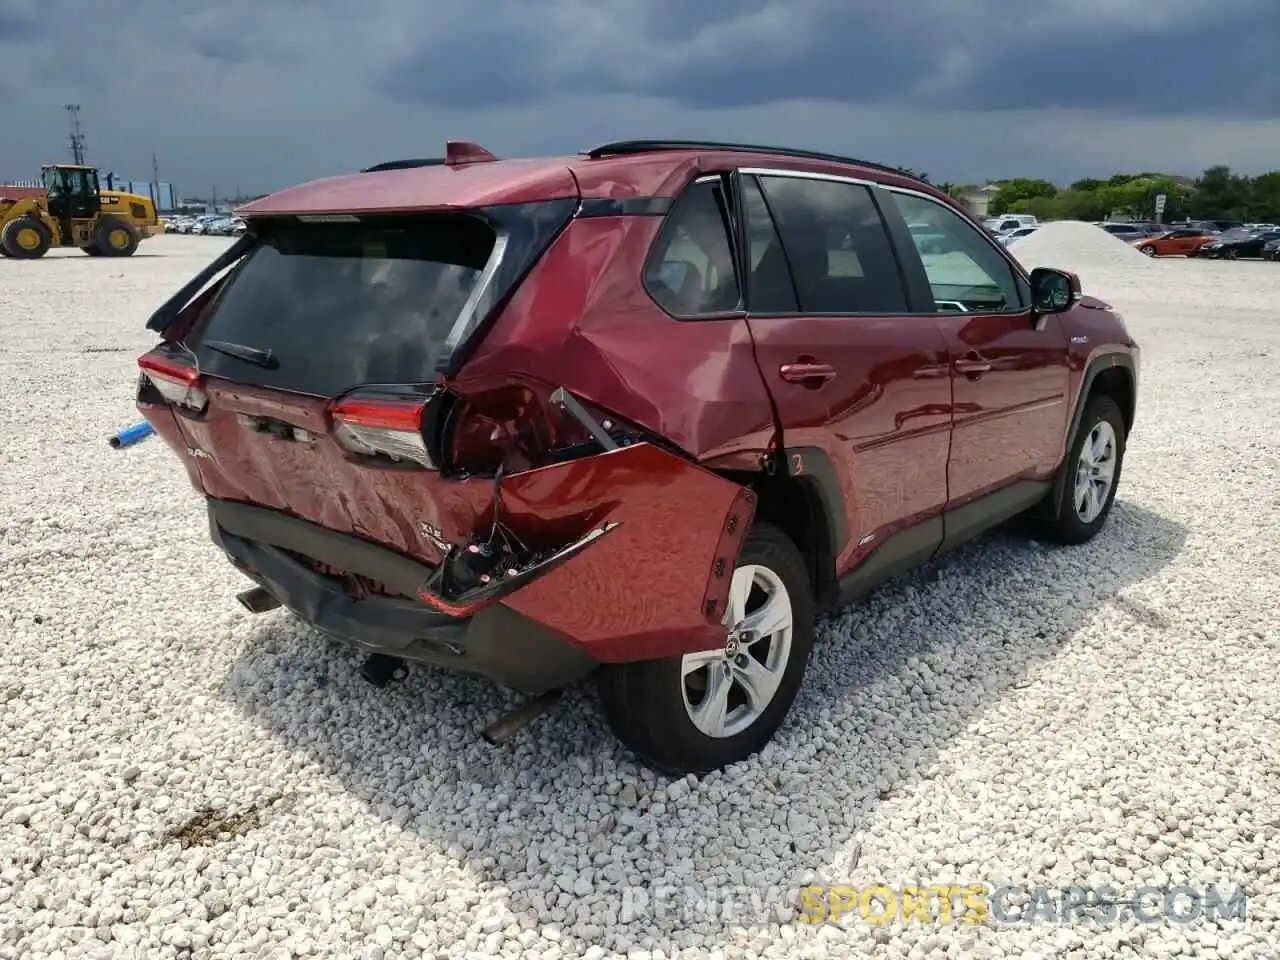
x,y
1053,291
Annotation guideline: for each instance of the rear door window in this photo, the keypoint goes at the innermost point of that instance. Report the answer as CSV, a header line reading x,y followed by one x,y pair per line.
x,y
836,245
770,289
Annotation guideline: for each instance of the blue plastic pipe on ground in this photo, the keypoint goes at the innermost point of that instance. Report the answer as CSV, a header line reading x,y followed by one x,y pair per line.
x,y
131,435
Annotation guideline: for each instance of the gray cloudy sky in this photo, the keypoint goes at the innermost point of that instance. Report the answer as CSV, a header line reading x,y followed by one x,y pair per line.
x,y
262,93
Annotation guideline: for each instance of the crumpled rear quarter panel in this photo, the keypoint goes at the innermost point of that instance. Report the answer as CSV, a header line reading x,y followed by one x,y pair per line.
x,y
656,585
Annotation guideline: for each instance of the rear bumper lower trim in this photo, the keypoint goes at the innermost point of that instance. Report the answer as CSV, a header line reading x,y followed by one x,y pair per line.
x,y
496,642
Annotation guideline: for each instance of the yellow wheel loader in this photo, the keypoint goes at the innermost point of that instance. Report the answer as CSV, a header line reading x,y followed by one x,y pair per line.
x,y
75,212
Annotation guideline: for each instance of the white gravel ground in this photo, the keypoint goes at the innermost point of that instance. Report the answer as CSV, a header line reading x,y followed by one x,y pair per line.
x,y
1013,715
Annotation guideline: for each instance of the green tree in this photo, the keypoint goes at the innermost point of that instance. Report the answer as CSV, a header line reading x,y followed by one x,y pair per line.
x,y
1137,197
1265,201
1084,204
1221,193
1021,188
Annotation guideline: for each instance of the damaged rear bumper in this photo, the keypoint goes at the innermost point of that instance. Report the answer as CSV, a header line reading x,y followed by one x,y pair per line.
x,y
495,642
647,546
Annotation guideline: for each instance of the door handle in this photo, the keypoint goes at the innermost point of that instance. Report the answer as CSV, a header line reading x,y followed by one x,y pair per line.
x,y
801,372
933,371
973,365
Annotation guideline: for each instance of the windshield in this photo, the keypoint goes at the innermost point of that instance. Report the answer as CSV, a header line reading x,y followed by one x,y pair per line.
x,y
331,306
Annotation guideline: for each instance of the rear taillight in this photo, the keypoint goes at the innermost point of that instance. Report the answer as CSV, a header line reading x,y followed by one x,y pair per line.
x,y
522,427
388,428
176,382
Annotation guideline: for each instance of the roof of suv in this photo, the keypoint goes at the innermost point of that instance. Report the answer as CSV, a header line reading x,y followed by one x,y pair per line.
x,y
469,177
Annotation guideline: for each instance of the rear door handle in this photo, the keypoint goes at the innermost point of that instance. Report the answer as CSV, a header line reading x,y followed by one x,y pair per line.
x,y
800,372
973,365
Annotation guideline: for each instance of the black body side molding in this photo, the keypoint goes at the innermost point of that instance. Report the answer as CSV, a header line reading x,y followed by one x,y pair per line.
x,y
907,549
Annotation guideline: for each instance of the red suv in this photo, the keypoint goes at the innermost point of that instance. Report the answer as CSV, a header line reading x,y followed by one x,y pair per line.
x,y
639,413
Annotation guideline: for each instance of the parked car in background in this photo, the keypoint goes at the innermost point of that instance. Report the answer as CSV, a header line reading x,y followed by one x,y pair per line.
x,y
999,225
470,389
1222,226
1237,244
1123,231
1011,237
1183,242
1271,250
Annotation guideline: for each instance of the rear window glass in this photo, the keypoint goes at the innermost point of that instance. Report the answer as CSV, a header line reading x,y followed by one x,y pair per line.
x,y
338,305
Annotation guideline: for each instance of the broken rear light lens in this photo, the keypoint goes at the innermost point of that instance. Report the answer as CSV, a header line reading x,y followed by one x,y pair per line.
x,y
518,425
381,427
176,382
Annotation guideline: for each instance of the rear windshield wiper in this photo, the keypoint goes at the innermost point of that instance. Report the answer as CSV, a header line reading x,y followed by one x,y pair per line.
x,y
254,355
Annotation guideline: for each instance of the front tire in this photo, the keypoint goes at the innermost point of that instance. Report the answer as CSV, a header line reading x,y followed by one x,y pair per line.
x,y
1148,250
1093,474
116,238
703,711
92,251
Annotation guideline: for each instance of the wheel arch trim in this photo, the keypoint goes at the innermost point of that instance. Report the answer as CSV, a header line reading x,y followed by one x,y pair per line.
x,y
1099,364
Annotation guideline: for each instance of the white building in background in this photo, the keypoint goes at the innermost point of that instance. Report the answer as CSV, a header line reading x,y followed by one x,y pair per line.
x,y
978,199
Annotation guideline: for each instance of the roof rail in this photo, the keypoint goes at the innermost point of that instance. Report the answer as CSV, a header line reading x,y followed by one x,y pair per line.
x,y
624,147
404,164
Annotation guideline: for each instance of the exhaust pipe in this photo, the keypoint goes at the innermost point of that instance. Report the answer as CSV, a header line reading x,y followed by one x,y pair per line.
x,y
257,600
503,729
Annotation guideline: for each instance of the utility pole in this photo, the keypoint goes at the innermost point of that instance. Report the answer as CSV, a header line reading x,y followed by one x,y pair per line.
x,y
155,173
77,139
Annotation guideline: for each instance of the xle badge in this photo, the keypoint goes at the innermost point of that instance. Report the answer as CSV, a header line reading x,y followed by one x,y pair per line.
x,y
436,536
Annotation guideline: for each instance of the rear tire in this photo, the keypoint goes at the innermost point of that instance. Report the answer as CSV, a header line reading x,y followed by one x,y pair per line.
x,y
694,714
25,238
1096,456
116,237
92,251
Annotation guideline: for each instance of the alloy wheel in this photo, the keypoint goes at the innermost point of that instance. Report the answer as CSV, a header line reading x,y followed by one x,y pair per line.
x,y
1095,472
726,690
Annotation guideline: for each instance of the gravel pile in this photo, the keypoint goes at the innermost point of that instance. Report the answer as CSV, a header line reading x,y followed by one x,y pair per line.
x,y
178,778
1082,247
